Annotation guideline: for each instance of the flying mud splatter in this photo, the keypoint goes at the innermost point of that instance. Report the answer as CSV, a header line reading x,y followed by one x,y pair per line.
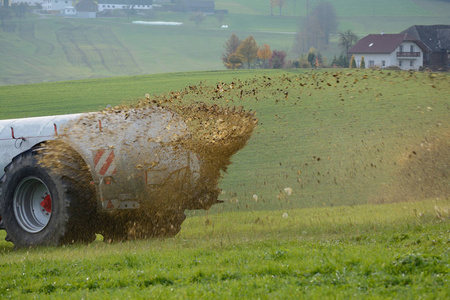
x,y
164,156
423,173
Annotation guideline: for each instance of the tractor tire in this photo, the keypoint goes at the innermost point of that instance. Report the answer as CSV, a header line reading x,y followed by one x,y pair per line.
x,y
42,206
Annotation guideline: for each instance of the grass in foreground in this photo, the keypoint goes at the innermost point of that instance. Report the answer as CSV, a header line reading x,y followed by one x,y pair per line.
x,y
371,251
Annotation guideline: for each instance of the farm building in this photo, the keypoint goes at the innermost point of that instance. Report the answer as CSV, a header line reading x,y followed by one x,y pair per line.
x,y
437,39
29,2
384,50
56,6
206,7
124,4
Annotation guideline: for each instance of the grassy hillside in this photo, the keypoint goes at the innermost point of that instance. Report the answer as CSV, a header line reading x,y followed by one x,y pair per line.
x,y
375,251
43,49
335,137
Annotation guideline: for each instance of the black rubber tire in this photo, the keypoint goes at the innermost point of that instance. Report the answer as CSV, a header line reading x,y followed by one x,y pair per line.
x,y
72,216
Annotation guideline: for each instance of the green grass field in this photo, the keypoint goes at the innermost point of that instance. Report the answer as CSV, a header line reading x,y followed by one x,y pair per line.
x,y
396,251
56,48
348,143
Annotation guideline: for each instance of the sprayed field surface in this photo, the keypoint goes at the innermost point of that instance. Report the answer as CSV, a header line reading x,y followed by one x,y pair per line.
x,y
371,251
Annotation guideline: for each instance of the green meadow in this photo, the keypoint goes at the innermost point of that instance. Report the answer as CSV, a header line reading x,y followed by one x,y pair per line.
x,y
53,48
342,192
395,251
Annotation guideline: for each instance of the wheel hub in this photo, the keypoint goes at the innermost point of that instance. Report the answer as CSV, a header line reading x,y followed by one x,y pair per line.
x,y
47,204
32,204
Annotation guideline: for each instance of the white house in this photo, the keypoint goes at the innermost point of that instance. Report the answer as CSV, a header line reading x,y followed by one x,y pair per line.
x,y
384,50
124,4
69,11
56,5
30,2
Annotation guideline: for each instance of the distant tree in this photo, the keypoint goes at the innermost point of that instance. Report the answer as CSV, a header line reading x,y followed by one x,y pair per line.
x,y
347,40
248,50
352,62
197,17
341,61
326,14
276,3
86,5
20,9
304,63
264,54
320,60
312,56
234,61
220,17
363,63
278,59
231,46
5,13
315,31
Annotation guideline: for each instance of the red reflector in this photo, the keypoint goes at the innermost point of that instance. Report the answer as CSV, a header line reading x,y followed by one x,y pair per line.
x,y
107,180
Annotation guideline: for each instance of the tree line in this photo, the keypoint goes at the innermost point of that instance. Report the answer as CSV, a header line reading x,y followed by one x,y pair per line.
x,y
18,9
311,39
247,54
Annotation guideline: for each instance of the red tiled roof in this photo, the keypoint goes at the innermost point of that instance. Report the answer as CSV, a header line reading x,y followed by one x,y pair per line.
x,y
381,43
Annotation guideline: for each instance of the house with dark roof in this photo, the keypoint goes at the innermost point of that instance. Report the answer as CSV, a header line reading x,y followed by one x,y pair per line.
x,y
206,7
437,39
384,50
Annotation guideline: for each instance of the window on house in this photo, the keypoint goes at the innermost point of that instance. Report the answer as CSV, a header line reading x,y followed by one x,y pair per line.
x,y
358,63
401,48
411,63
412,48
113,6
371,63
399,63
383,63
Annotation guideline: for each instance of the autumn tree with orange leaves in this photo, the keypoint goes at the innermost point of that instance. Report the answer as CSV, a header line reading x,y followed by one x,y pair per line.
x,y
248,50
247,54
264,55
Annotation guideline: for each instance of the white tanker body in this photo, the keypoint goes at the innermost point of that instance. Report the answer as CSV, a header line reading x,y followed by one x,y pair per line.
x,y
122,174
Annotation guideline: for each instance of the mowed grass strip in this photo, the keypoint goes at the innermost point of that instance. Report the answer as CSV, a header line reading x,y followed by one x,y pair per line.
x,y
375,251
